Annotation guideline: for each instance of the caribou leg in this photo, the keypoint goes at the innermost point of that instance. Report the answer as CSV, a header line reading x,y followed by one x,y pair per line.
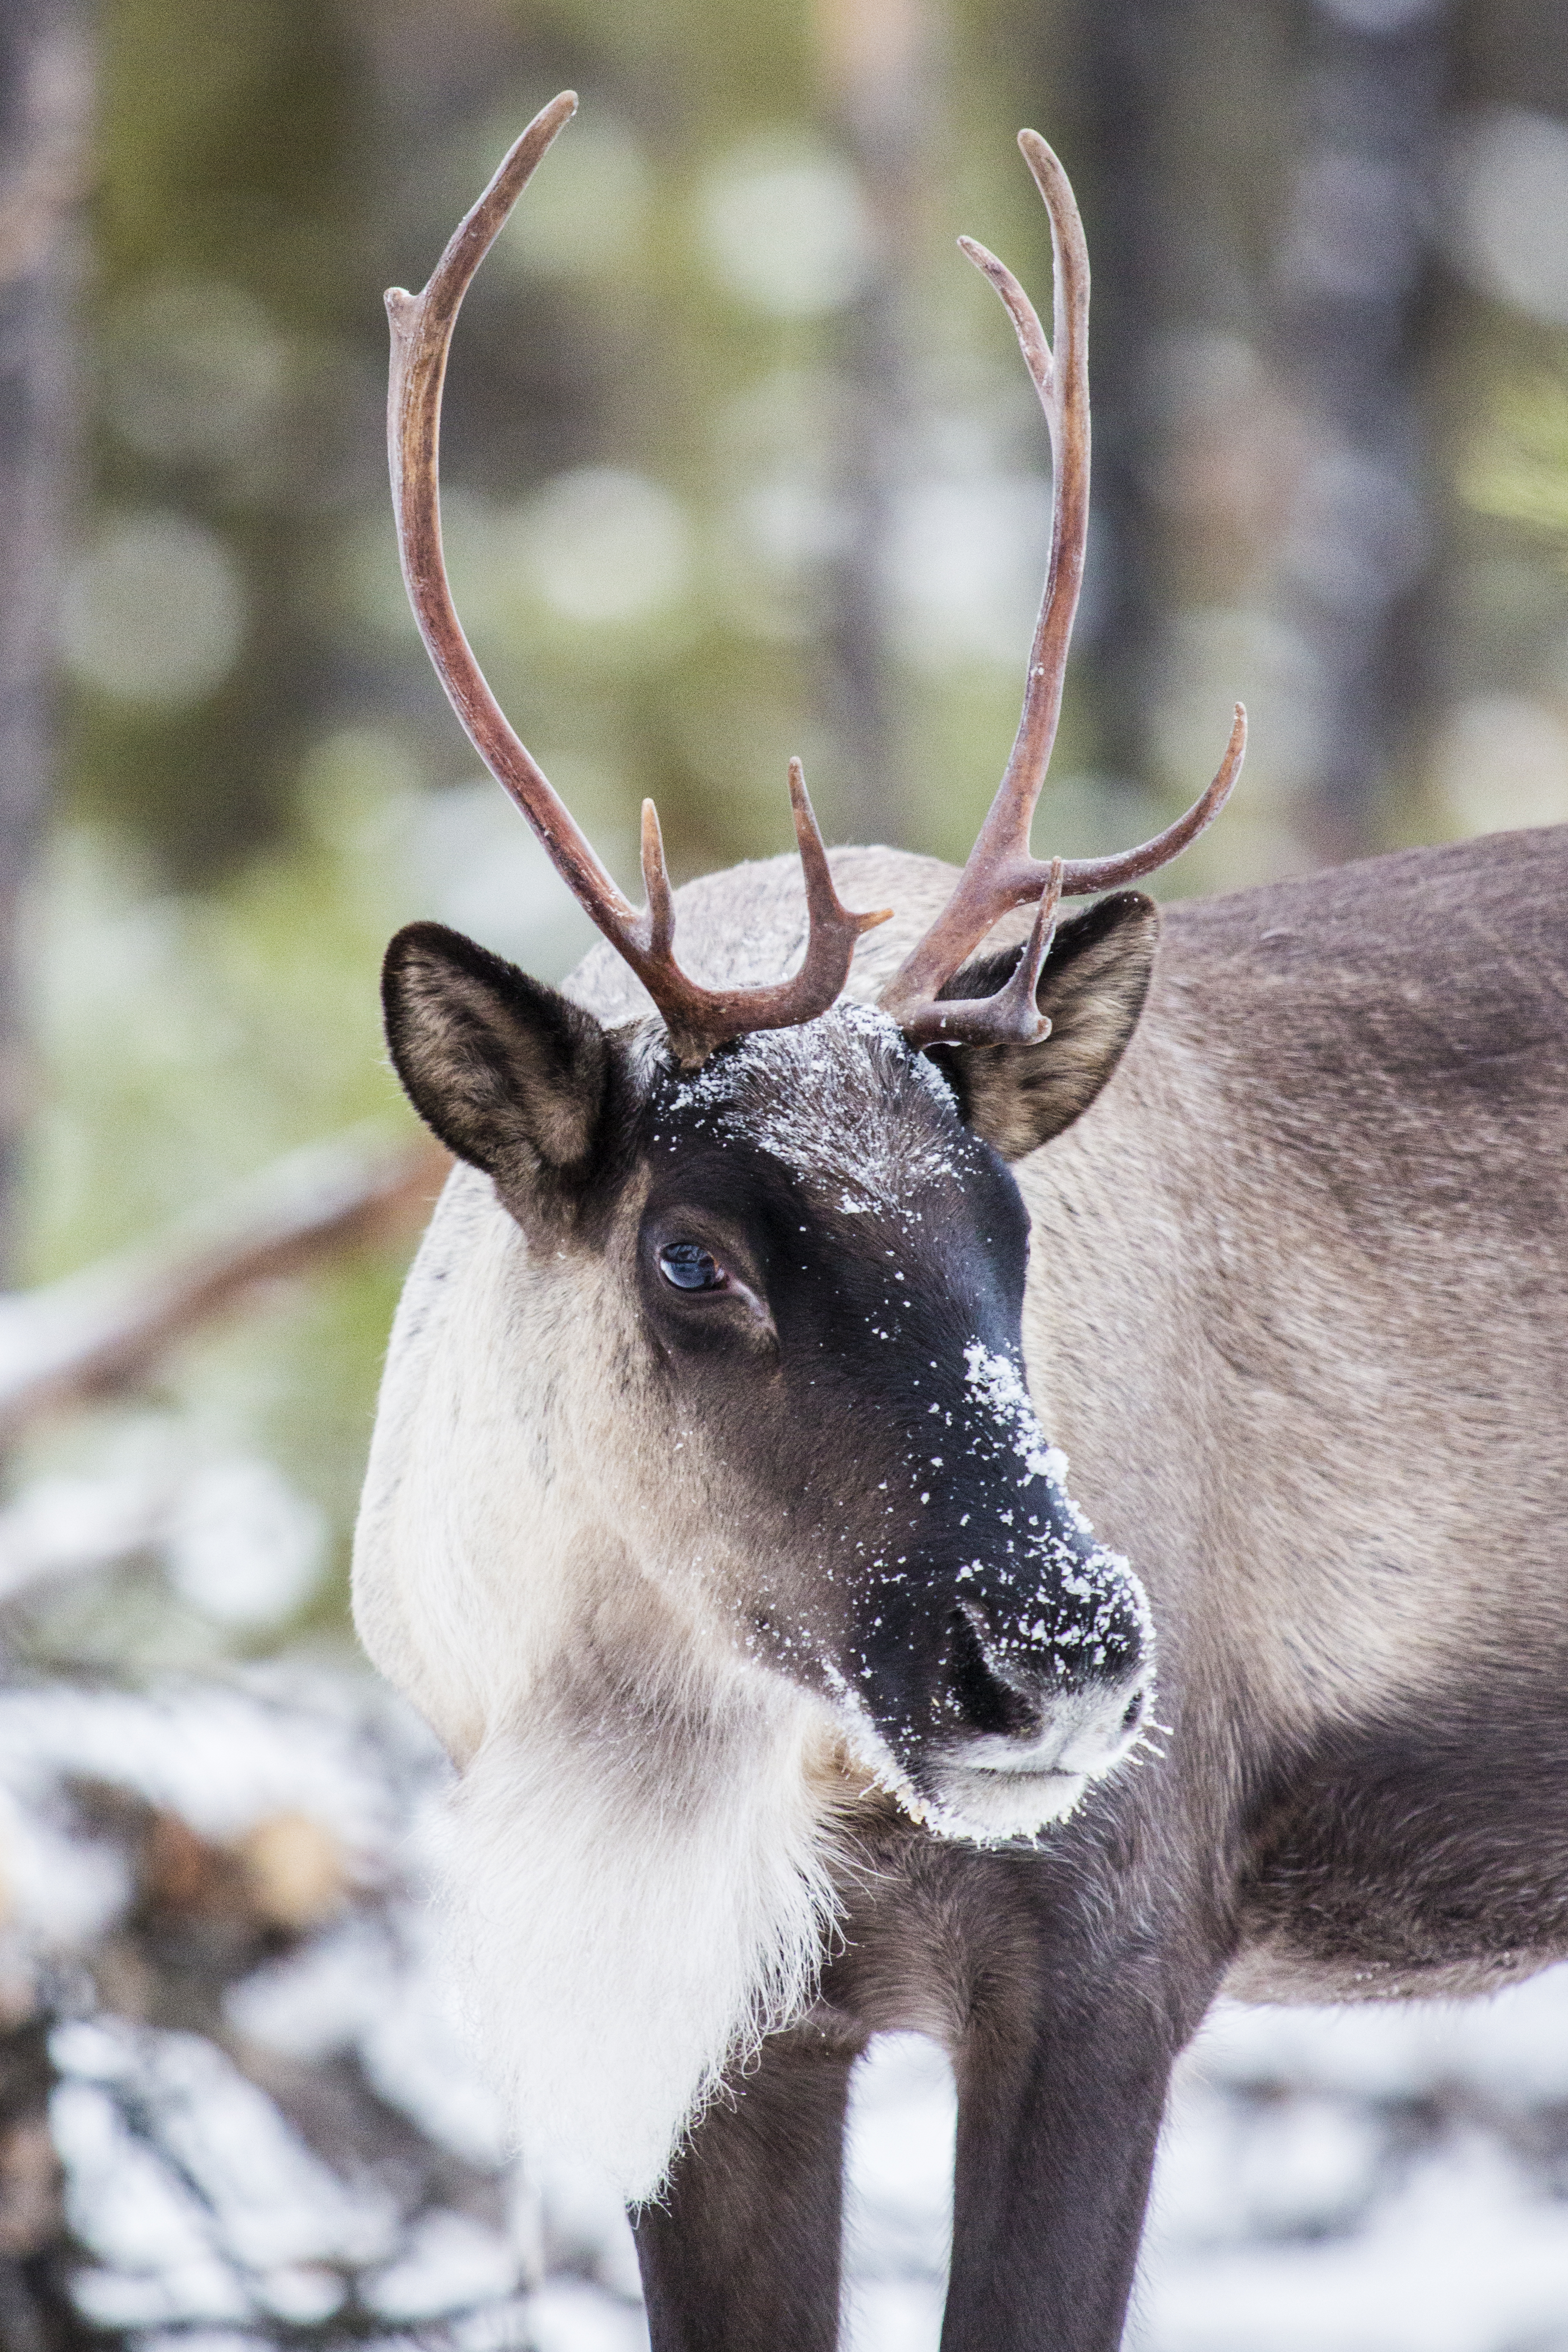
x,y
1056,2142
742,2254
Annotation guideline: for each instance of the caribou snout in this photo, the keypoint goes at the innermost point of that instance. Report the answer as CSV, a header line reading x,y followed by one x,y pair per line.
x,y
1033,1739
999,1706
1036,1706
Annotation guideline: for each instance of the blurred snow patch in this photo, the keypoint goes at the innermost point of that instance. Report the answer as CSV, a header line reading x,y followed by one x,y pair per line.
x,y
897,2195
1510,212
221,1758
239,1542
448,2263
569,2315
244,1546
1461,2260
252,2191
586,2230
786,226
1382,2178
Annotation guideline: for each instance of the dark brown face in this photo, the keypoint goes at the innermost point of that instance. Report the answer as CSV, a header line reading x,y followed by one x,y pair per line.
x,y
827,1264
840,1322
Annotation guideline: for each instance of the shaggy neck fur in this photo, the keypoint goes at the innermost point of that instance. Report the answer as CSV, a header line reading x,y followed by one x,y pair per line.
x,y
636,1873
635,1891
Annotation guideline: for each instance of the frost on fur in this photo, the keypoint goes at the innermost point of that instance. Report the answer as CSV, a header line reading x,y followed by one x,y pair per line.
x,y
632,1906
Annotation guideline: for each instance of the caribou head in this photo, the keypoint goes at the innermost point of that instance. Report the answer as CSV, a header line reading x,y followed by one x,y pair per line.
x,y
769,1248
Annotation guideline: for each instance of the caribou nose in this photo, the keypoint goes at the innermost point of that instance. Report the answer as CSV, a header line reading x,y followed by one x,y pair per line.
x,y
1020,1716
1031,1741
999,1685
985,1699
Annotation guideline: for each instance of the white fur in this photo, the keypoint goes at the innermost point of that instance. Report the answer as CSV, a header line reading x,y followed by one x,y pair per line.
x,y
465,1529
632,1910
635,1853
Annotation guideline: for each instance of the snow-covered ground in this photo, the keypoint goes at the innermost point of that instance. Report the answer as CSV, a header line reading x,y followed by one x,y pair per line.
x,y
210,1906
1373,2180
1369,2179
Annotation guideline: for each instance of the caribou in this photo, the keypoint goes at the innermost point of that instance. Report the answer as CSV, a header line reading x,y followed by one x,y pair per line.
x,y
718,1514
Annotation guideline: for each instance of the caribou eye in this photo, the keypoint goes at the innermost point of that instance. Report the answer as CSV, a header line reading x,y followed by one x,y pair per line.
x,y
690,1266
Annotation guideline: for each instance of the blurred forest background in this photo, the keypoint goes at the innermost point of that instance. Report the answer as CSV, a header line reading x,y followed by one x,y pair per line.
x,y
739,461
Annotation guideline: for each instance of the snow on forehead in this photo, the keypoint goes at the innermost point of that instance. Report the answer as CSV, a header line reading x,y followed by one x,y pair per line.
x,y
840,1100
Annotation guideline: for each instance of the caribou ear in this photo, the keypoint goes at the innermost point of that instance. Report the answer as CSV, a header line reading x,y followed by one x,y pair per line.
x,y
511,1077
1092,989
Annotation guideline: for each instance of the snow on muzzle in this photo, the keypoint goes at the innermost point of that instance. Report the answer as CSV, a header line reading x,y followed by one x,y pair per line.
x,y
1010,1662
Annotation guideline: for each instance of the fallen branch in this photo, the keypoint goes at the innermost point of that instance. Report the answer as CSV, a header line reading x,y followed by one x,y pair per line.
x,y
103,1328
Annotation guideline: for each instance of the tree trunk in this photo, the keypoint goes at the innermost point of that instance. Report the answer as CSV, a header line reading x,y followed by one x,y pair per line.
x,y
1261,281
45,108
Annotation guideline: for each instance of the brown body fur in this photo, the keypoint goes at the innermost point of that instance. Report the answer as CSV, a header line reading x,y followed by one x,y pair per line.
x,y
1296,1312
1294,1308
1314,1373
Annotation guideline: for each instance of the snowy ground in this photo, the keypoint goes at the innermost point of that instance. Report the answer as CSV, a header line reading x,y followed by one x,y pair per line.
x,y
209,1905
1380,2179
1375,2179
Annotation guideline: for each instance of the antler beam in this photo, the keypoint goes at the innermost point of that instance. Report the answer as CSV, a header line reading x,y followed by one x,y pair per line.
x,y
1002,873
698,1019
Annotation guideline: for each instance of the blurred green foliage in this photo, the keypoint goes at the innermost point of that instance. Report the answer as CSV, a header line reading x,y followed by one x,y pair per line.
x,y
1517,465
642,494
658,386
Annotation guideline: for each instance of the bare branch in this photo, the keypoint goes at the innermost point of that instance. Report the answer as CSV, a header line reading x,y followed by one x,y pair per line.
x,y
107,1326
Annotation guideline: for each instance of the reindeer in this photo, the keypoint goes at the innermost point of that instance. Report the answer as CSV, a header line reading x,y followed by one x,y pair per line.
x,y
712,1523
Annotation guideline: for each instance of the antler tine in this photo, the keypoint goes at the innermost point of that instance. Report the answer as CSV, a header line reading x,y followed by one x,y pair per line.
x,y
698,1019
1082,875
1012,1015
1001,873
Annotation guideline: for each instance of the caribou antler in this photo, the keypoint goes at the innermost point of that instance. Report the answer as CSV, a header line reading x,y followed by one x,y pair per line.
x,y
698,1019
1001,873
